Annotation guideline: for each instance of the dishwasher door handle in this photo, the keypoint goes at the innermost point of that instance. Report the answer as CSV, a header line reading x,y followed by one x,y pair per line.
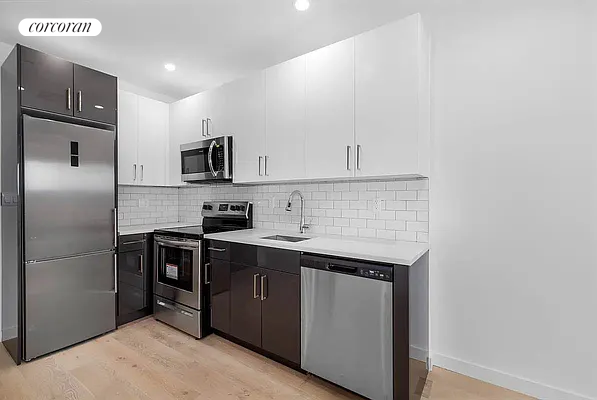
x,y
342,268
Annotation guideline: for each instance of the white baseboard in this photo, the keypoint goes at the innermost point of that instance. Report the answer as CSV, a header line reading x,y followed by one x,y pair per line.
x,y
418,353
522,385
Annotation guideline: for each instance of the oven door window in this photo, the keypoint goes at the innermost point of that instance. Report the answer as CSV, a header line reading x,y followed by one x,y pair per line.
x,y
175,268
195,161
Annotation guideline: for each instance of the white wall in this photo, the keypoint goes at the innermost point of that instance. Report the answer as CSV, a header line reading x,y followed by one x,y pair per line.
x,y
514,196
4,52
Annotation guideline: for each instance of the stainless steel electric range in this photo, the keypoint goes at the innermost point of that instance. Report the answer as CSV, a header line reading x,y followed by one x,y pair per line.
x,y
181,291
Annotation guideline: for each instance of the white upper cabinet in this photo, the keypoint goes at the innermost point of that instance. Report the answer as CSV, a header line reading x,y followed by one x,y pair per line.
x,y
128,119
390,85
153,141
216,111
142,140
186,119
285,120
330,111
246,108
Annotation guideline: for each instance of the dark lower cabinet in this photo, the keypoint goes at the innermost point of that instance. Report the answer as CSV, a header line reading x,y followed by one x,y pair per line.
x,y
245,303
46,82
135,274
258,304
219,271
280,315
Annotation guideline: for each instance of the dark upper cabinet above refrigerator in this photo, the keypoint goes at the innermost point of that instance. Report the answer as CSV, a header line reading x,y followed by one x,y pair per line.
x,y
46,81
95,95
55,85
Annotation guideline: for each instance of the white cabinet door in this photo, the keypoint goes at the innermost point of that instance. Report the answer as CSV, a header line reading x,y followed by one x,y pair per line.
x,y
285,120
330,112
246,107
186,117
217,115
387,98
153,141
127,137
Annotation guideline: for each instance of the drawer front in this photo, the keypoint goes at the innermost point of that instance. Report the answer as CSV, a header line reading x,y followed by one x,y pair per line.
x,y
131,242
243,254
218,250
180,317
279,260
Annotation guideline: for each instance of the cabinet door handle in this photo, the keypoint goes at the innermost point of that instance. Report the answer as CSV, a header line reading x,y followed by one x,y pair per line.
x,y
359,157
141,172
141,263
216,249
348,158
207,268
208,121
202,127
68,99
260,159
134,172
263,287
80,101
266,158
255,294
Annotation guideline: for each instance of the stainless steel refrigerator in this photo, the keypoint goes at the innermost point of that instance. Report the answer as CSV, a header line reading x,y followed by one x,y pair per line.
x,y
69,234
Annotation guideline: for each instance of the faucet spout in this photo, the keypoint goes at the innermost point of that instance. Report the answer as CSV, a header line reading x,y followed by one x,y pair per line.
x,y
302,225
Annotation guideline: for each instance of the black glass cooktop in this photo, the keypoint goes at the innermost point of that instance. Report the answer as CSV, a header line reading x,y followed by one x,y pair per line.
x,y
194,232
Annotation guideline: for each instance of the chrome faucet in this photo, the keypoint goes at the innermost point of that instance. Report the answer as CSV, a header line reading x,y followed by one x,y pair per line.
x,y
302,225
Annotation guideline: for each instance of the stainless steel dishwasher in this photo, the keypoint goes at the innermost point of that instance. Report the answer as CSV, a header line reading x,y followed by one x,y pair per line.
x,y
346,324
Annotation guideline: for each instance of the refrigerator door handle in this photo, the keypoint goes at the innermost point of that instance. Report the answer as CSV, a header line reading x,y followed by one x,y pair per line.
x,y
115,227
115,273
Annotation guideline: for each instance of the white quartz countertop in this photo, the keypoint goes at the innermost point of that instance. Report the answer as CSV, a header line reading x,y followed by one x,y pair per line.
x,y
132,230
380,250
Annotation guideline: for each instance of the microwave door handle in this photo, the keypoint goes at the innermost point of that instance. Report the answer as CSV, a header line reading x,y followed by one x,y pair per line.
x,y
209,160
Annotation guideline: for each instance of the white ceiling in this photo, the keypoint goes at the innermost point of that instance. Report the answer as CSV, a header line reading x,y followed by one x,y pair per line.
x,y
210,41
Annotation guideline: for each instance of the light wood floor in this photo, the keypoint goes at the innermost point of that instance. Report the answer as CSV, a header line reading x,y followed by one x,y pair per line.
x,y
148,360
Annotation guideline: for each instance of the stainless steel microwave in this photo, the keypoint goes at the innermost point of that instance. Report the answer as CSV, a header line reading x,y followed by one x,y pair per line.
x,y
207,160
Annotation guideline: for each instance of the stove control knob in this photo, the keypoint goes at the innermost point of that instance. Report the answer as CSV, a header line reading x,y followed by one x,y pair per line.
x,y
242,208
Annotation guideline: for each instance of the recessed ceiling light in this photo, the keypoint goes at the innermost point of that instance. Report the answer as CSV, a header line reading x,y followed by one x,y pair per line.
x,y
170,67
99,107
301,5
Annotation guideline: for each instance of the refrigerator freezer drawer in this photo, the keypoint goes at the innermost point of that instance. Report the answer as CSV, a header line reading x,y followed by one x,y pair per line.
x,y
180,317
68,301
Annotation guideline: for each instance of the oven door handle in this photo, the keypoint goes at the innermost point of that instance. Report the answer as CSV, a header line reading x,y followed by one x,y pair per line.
x,y
180,245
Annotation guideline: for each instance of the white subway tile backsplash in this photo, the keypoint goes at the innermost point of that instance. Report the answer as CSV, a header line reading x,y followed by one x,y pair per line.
x,y
421,184
374,186
396,185
418,205
398,205
396,210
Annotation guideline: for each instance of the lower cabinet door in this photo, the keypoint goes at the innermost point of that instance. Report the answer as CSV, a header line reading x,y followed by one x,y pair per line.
x,y
245,312
130,299
220,295
280,314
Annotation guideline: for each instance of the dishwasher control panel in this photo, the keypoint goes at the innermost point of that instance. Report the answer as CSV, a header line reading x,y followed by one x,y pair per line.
x,y
381,272
376,273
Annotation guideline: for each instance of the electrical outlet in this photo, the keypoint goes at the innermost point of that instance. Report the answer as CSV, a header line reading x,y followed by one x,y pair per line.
x,y
378,205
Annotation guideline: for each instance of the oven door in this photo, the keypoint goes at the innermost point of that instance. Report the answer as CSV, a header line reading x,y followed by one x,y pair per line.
x,y
207,160
177,270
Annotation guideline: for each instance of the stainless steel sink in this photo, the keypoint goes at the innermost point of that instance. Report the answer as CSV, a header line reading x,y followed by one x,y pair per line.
x,y
283,238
